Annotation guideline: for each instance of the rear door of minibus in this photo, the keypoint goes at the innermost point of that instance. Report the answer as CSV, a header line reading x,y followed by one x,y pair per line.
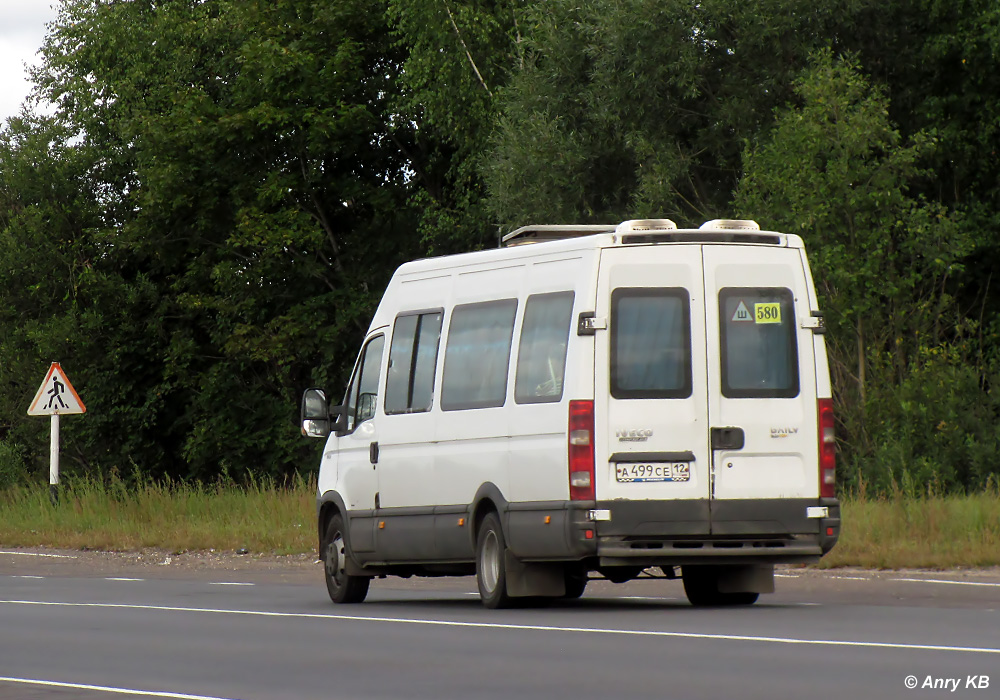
x,y
762,404
651,410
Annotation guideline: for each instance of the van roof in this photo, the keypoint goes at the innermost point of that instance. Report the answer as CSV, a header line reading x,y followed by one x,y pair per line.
x,y
652,231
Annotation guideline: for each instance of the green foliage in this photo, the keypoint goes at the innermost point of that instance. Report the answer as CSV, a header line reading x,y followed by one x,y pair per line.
x,y
12,464
203,226
925,433
835,170
232,208
458,55
637,108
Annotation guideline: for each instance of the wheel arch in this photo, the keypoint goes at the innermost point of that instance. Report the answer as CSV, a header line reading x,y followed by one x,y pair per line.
x,y
488,499
328,505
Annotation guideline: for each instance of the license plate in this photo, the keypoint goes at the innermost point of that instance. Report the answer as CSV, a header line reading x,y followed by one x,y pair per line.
x,y
655,471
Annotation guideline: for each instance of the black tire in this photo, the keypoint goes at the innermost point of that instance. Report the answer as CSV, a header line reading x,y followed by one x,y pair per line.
x,y
491,572
342,587
701,584
576,583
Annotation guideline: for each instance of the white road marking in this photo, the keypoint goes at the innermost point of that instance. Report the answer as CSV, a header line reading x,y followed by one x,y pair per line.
x,y
853,578
534,628
109,689
36,554
991,584
122,578
229,583
954,583
27,577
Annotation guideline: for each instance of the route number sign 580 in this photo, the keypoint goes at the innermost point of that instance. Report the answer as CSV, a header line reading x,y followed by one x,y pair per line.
x,y
767,312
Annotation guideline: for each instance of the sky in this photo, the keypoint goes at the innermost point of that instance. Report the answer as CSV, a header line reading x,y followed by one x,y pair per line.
x,y
22,30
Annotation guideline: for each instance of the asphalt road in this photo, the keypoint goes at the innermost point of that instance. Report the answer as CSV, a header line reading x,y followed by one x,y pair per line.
x,y
68,631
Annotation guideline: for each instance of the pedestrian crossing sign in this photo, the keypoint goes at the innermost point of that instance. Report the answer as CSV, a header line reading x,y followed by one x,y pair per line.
x,y
56,395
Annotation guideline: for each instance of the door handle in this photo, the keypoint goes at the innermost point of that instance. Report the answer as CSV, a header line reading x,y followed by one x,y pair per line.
x,y
729,438
373,453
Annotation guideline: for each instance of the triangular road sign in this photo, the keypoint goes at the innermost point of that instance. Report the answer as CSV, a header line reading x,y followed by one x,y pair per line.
x,y
56,395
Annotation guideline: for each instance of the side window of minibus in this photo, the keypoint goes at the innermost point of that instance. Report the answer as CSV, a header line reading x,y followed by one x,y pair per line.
x,y
413,351
541,355
477,355
363,392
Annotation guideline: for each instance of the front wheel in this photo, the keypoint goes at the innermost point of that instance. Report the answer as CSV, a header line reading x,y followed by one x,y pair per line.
x,y
491,571
342,587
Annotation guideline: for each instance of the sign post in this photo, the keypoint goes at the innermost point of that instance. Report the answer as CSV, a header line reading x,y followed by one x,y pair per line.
x,y
55,396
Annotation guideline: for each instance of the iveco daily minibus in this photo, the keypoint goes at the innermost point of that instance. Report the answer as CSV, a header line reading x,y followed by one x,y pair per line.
x,y
586,402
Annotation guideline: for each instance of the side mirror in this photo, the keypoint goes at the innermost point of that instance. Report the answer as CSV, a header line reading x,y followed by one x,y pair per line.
x,y
314,414
366,406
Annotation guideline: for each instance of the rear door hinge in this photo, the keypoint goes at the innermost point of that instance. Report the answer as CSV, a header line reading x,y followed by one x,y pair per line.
x,y
588,323
815,322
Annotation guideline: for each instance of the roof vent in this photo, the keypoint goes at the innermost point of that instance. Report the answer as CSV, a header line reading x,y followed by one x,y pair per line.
x,y
645,226
731,225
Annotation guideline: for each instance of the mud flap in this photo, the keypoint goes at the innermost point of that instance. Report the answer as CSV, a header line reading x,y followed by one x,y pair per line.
x,y
755,578
529,579
352,568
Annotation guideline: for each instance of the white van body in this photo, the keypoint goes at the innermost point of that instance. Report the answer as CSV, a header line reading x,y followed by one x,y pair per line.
x,y
622,399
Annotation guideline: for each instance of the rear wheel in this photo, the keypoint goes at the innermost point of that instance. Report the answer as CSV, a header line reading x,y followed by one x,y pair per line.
x,y
491,573
342,587
701,584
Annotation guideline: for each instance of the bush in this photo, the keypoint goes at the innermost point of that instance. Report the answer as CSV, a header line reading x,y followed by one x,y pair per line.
x,y
935,430
13,467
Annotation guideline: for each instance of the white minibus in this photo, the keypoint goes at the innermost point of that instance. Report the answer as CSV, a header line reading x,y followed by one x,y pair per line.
x,y
599,401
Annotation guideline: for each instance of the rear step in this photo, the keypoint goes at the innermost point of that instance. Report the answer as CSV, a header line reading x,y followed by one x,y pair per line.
x,y
710,544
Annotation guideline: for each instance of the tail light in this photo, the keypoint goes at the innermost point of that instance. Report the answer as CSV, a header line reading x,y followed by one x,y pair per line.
x,y
581,450
827,450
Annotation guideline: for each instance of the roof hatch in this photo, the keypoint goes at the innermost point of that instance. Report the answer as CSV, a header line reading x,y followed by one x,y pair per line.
x,y
639,226
731,225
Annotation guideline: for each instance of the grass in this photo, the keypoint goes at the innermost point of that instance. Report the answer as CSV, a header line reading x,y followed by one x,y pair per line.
x,y
261,517
930,531
924,532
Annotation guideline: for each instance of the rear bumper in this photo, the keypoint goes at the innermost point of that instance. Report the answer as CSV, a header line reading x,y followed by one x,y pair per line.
x,y
798,549
676,532
776,531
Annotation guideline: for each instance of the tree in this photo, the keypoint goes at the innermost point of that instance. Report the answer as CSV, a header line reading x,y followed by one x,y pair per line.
x,y
458,57
206,222
638,108
244,181
54,278
835,170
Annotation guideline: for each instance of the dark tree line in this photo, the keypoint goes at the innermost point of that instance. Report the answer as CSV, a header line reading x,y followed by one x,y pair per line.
x,y
202,227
